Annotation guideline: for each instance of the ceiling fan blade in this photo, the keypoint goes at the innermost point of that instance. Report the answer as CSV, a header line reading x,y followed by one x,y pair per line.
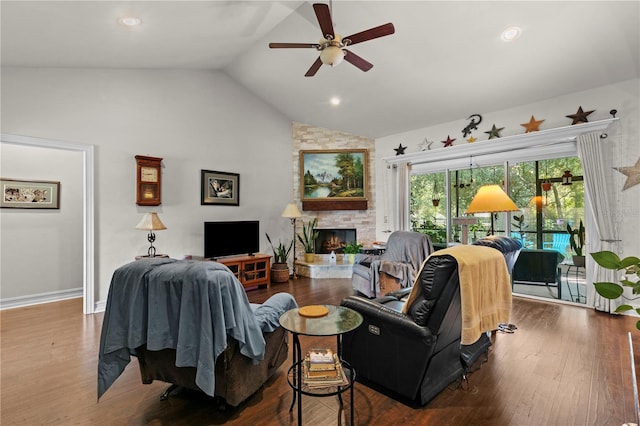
x,y
371,33
314,68
291,45
324,19
356,60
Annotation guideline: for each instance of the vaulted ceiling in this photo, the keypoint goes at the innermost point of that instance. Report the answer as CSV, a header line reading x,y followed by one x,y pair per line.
x,y
445,61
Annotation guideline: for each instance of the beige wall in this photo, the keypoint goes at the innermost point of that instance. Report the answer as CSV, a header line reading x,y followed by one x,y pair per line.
x,y
192,119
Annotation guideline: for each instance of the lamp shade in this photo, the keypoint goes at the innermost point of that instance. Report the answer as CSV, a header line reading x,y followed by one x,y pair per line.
x,y
491,199
151,222
291,211
331,55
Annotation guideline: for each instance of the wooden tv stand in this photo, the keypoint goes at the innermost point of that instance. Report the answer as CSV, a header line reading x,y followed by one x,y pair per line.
x,y
251,271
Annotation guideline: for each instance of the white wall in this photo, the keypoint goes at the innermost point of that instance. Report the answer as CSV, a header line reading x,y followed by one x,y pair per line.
x,y
41,250
192,119
622,143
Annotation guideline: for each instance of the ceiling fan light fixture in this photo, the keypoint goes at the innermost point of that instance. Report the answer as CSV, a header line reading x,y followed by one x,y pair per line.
x,y
332,55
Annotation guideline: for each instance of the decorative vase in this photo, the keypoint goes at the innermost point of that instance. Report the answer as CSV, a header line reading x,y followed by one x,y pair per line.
x,y
309,257
279,273
351,257
579,261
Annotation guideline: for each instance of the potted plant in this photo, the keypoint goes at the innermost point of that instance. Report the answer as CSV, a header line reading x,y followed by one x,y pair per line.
x,y
435,200
280,267
520,225
630,265
576,240
350,249
308,239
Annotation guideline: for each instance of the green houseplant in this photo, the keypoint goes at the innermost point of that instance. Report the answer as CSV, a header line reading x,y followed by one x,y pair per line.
x,y
280,267
351,249
576,240
630,265
308,238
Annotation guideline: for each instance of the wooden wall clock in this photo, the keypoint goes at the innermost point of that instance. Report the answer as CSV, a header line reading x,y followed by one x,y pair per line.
x,y
148,180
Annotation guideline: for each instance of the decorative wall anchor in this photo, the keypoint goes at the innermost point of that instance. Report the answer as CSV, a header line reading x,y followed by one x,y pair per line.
x,y
473,124
400,149
448,142
425,145
580,116
494,132
632,173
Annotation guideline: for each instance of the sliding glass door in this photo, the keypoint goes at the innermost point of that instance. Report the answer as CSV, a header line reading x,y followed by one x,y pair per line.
x,y
549,193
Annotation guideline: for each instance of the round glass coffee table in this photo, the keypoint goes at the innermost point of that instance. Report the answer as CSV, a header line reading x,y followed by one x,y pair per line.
x,y
336,322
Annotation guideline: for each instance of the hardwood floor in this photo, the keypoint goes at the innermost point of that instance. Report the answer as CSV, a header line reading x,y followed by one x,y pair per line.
x,y
564,365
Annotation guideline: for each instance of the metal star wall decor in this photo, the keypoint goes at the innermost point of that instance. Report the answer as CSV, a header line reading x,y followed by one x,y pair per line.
x,y
533,125
580,116
632,173
400,149
494,132
471,139
425,145
448,142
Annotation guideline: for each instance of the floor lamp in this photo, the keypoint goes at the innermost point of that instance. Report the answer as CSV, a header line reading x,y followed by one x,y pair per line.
x,y
292,212
491,199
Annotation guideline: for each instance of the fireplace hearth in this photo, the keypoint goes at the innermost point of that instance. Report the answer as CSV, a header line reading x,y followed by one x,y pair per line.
x,y
333,239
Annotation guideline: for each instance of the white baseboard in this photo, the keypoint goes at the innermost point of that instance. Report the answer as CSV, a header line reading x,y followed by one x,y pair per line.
x,y
36,299
100,306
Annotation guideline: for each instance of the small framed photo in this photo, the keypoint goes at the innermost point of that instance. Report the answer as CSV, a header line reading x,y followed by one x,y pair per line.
x,y
219,188
29,194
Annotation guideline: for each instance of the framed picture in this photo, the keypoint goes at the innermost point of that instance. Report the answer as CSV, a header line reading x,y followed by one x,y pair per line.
x,y
30,194
334,179
220,188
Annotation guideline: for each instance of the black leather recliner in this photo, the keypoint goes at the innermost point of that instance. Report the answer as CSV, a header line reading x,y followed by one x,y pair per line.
x,y
418,354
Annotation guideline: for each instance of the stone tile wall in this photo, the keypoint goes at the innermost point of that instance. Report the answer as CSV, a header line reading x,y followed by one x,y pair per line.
x,y
306,137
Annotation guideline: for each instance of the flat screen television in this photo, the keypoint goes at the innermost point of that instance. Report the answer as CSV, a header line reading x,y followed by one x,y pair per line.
x,y
231,238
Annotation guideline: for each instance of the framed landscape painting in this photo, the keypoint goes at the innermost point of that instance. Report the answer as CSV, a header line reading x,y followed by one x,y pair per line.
x,y
219,188
29,194
334,179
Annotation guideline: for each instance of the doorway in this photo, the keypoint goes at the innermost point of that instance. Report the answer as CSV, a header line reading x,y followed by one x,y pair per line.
x,y
88,251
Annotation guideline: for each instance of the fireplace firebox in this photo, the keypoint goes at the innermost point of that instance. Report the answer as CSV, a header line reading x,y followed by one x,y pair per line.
x,y
333,239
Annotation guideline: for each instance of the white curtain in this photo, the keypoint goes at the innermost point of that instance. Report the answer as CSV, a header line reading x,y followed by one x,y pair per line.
x,y
602,200
397,196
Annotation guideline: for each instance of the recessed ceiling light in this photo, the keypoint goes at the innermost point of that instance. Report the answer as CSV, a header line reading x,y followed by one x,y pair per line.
x,y
511,34
130,21
335,101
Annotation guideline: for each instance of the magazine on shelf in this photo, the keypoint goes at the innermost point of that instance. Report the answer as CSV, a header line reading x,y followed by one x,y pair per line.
x,y
337,378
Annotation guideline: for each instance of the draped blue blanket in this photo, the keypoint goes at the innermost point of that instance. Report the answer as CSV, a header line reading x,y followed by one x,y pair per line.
x,y
185,305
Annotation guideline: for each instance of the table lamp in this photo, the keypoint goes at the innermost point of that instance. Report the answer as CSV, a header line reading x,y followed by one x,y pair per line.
x,y
292,212
151,222
491,199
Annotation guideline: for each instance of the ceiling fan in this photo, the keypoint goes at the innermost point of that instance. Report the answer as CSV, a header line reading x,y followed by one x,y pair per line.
x,y
333,46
